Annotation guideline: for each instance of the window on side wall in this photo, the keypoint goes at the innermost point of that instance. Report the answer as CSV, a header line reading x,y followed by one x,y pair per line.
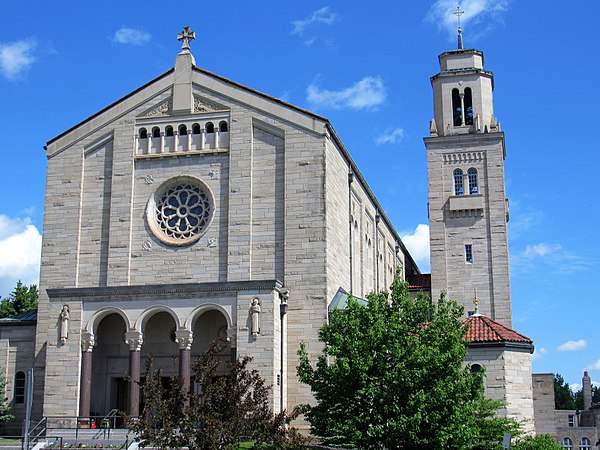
x,y
469,253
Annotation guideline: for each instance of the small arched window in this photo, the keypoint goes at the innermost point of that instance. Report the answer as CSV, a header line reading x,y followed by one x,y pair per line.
x,y
20,387
223,126
169,131
459,185
567,443
456,108
475,369
195,129
468,107
585,444
155,132
182,130
143,133
210,127
473,186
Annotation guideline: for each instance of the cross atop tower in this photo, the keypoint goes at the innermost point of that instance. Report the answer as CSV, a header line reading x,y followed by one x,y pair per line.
x,y
185,37
476,302
459,13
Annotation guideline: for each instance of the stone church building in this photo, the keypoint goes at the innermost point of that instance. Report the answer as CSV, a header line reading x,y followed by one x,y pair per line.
x,y
196,209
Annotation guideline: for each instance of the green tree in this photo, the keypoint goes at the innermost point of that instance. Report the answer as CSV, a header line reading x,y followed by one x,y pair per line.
x,y
539,442
5,414
232,406
22,299
392,375
563,396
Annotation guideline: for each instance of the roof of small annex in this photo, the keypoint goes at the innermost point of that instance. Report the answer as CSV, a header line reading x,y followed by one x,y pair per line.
x,y
25,318
482,329
420,282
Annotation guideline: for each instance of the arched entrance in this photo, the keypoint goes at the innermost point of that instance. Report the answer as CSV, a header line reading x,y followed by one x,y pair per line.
x,y
109,366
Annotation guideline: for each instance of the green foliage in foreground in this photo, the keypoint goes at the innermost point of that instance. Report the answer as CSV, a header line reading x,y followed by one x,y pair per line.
x,y
392,375
539,442
23,298
5,414
231,407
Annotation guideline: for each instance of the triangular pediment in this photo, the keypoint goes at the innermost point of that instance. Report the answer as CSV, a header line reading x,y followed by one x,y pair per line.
x,y
164,108
202,105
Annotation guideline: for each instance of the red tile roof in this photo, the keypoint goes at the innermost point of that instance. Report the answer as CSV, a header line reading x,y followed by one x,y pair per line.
x,y
484,329
421,281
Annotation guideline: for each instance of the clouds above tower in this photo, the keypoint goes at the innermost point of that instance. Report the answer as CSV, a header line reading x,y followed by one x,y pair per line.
x,y
367,93
479,15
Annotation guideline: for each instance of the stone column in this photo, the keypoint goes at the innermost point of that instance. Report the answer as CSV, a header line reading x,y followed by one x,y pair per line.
x,y
134,340
184,338
87,344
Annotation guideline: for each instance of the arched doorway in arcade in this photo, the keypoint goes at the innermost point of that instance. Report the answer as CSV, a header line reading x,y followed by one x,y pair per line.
x,y
110,359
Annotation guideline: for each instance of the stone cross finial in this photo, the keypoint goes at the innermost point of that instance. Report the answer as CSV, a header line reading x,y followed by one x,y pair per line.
x,y
185,37
459,13
476,301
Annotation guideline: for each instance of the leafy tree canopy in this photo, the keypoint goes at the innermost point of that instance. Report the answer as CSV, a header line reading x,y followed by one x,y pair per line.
x,y
232,406
563,395
22,299
539,442
392,375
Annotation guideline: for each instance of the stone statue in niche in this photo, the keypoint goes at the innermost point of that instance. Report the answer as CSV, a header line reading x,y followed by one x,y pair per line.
x,y
64,324
255,314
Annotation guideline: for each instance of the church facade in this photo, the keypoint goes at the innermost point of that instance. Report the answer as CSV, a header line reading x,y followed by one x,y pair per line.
x,y
191,210
196,209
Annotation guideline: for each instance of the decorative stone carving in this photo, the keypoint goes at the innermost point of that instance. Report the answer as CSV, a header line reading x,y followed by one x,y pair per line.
x,y
203,105
255,314
147,245
87,342
149,179
213,174
212,242
135,344
162,109
185,343
64,324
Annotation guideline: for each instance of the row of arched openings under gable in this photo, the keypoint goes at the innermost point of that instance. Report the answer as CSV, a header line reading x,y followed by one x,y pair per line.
x,y
471,182
209,128
462,107
584,443
159,349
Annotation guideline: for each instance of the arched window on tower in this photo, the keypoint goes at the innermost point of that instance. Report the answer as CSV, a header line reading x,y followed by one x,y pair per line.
x,y
20,387
459,185
169,131
196,129
143,133
468,106
475,369
223,126
182,130
567,443
473,184
155,132
456,108
585,444
210,127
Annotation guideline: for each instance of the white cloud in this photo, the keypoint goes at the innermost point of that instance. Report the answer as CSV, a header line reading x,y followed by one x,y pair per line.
x,y
478,17
391,136
367,93
539,353
572,346
320,16
541,250
16,57
417,244
20,247
131,36
594,366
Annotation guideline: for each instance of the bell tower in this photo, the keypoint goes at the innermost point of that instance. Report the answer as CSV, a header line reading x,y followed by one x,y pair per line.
x,y
468,209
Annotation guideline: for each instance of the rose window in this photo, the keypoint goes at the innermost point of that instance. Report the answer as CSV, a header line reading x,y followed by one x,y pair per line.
x,y
180,211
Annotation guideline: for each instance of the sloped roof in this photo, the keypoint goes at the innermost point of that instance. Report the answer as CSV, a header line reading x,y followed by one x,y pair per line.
x,y
25,318
482,329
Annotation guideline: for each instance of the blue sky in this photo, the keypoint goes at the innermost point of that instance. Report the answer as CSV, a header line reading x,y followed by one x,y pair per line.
x,y
366,67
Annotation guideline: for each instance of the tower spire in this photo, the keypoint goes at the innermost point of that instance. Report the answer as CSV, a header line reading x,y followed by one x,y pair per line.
x,y
459,13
